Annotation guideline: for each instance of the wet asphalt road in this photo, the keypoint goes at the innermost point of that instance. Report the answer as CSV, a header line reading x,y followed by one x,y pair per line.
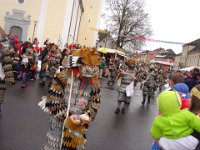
x,y
23,125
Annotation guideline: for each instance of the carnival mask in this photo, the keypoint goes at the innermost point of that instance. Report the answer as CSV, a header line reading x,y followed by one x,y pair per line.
x,y
89,71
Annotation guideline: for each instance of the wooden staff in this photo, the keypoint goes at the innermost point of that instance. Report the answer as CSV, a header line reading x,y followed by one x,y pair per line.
x,y
70,93
68,106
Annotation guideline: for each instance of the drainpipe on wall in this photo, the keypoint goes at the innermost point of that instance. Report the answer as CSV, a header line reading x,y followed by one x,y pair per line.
x,y
76,23
82,10
70,21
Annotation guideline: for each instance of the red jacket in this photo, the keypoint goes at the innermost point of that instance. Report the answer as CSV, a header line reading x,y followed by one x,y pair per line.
x,y
185,103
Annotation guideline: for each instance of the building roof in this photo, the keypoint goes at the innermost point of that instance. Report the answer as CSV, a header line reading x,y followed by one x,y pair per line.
x,y
151,52
193,43
160,56
179,54
103,36
106,37
158,50
170,51
162,62
195,49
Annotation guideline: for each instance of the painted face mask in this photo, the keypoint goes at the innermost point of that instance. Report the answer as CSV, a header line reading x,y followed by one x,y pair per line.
x,y
89,71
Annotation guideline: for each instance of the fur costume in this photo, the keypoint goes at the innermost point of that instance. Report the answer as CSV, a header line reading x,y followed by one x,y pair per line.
x,y
50,64
6,72
68,130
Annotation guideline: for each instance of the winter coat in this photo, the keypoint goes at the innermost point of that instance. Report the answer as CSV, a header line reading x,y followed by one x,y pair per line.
x,y
191,82
149,85
173,123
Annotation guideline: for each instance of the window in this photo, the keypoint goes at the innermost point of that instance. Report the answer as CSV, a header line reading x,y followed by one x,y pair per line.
x,y
85,39
89,20
21,1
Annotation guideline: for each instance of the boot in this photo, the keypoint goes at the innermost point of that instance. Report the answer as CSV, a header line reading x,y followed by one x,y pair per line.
x,y
149,99
144,99
117,110
23,86
49,85
123,110
42,84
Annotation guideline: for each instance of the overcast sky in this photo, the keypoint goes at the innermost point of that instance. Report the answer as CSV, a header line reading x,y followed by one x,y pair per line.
x,y
173,20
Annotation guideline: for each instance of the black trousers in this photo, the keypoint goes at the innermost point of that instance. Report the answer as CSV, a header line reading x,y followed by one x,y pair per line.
x,y
197,136
148,98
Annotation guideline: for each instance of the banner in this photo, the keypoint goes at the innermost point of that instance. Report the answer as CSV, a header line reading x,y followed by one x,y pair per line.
x,y
98,30
159,41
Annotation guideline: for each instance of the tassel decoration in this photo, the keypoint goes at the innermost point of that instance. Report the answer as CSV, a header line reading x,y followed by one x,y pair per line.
x,y
73,135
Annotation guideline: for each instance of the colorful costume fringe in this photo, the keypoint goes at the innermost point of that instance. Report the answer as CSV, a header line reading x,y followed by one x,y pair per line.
x,y
64,133
7,63
6,71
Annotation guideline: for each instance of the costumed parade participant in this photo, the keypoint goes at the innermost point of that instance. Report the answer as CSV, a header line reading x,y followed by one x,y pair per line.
x,y
6,72
44,65
54,62
25,65
37,50
148,86
16,65
73,101
112,75
15,44
50,64
125,87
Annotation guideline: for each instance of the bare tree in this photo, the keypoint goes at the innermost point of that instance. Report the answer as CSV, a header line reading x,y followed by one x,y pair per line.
x,y
127,19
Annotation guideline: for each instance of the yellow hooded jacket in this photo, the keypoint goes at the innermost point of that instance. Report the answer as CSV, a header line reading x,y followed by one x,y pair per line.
x,y
173,123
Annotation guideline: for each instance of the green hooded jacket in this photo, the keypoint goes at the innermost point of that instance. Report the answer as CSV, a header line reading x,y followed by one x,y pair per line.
x,y
173,123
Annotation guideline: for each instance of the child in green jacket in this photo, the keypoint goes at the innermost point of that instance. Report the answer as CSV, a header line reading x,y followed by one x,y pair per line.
x,y
173,128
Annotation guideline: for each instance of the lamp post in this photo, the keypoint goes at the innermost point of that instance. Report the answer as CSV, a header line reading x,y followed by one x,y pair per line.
x,y
35,24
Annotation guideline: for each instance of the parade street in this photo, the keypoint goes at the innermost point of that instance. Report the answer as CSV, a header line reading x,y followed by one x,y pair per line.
x,y
23,125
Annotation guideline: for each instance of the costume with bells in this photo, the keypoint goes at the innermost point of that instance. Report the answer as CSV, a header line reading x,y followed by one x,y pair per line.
x,y
6,71
73,100
126,86
50,65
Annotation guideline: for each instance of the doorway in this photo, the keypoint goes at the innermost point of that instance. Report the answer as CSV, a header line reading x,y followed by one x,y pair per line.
x,y
15,30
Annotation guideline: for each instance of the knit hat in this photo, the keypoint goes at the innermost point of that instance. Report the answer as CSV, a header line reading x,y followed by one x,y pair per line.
x,y
182,89
195,92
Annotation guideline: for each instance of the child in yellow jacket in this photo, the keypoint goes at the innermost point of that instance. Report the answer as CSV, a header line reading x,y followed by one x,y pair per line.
x,y
173,128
